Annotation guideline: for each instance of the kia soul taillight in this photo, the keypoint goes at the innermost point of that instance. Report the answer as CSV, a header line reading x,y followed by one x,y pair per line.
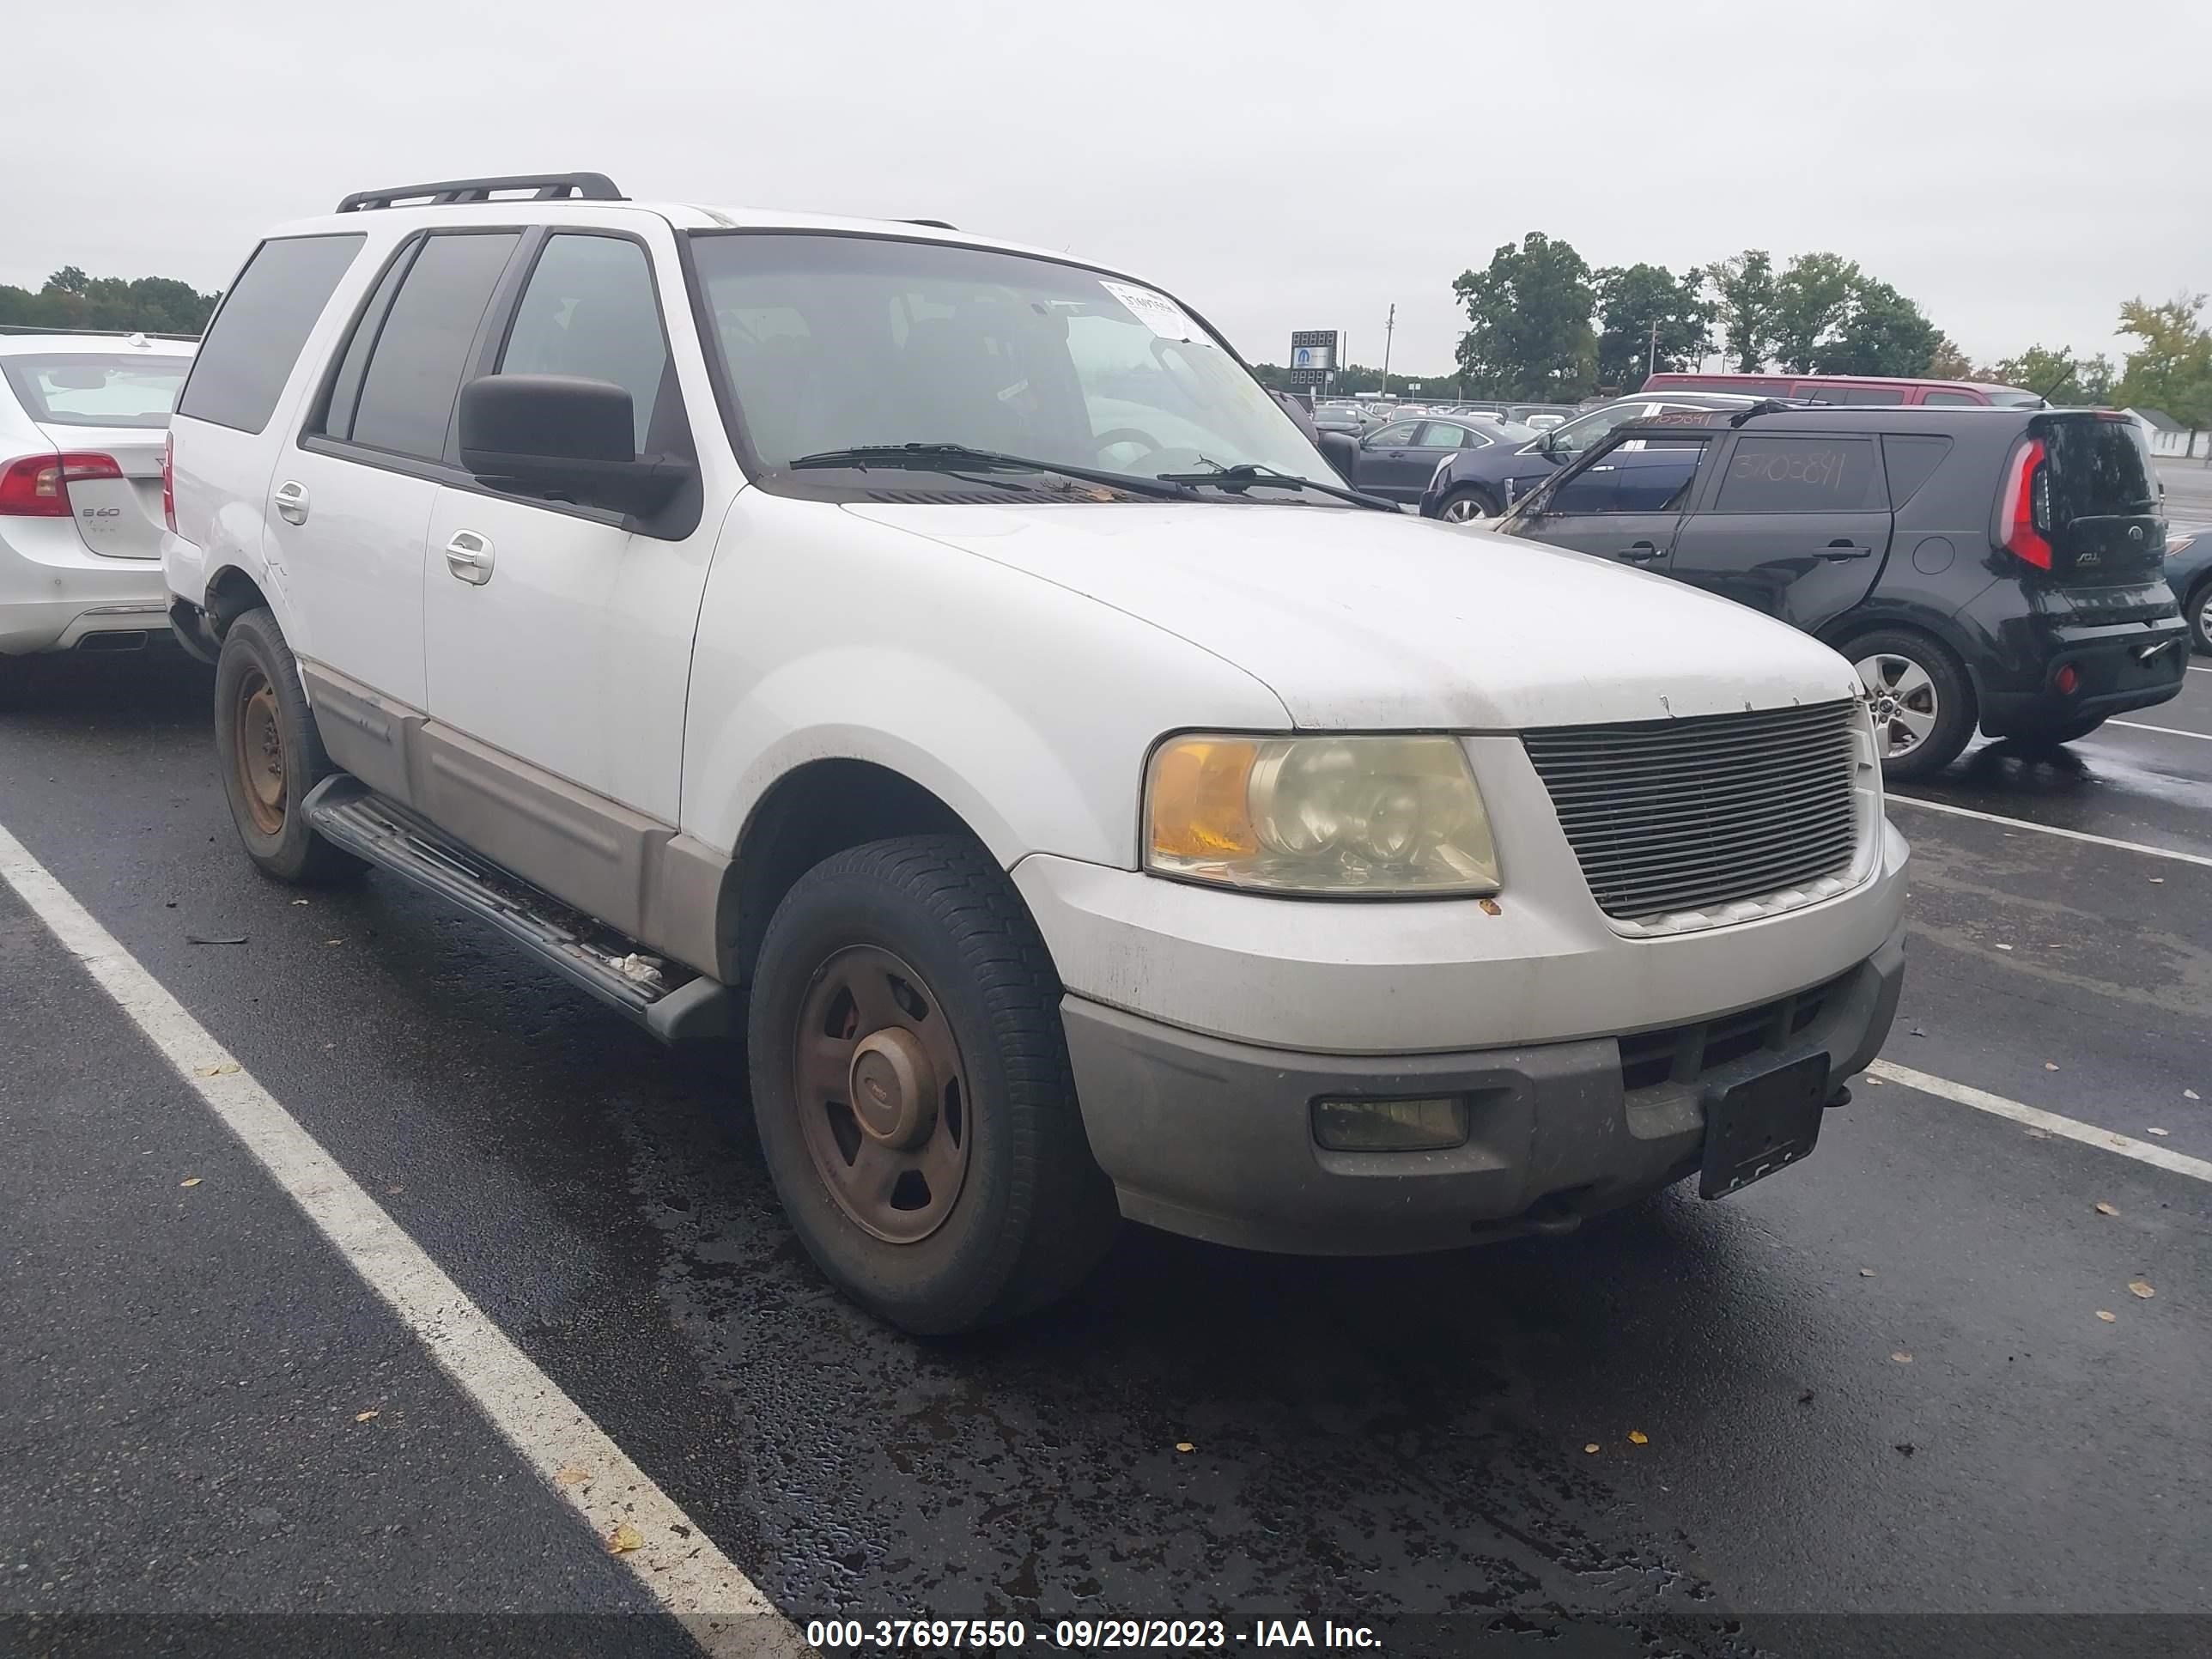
x,y
36,486
2027,505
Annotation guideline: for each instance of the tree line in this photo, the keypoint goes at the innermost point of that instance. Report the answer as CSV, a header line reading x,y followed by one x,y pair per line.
x,y
1545,327
153,305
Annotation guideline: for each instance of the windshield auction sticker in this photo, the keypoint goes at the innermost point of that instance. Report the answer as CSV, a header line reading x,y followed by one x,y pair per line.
x,y
1157,312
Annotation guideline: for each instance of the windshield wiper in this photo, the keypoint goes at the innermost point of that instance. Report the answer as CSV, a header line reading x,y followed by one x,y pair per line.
x,y
1246,474
953,457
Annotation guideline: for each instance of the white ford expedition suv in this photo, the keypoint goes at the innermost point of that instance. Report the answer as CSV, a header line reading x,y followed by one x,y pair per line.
x,y
941,663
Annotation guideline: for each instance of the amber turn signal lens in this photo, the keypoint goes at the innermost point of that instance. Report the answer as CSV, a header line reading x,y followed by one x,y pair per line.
x,y
1199,799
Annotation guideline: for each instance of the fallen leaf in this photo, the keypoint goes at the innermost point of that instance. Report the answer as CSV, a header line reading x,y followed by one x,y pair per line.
x,y
1877,1082
571,1476
2106,1209
299,901
2109,1318
2158,881
1907,1447
2039,1134
334,941
1591,1447
2158,1131
2050,1065
1490,908
2004,947
223,1070
367,1417
2191,1094
189,1181
1866,1273
2141,1289
1185,1446
625,1539
1902,1358
1805,1398
1637,1438
215,938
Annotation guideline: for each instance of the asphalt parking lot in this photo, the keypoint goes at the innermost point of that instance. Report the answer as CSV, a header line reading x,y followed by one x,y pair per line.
x,y
1879,1384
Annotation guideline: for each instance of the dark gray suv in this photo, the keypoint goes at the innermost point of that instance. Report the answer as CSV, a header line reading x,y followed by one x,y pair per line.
x,y
1999,568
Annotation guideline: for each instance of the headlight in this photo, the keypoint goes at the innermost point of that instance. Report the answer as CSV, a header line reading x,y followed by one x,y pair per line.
x,y
1380,817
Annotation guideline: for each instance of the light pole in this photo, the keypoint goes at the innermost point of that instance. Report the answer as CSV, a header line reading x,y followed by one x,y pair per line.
x,y
1389,328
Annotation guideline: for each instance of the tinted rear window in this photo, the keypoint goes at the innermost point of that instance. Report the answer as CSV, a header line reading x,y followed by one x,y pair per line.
x,y
83,388
2099,469
1797,474
265,319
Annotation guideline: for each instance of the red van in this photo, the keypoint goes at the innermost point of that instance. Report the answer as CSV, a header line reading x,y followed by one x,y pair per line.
x,y
1850,389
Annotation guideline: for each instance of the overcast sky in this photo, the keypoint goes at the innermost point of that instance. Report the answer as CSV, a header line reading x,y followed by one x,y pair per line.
x,y
2018,169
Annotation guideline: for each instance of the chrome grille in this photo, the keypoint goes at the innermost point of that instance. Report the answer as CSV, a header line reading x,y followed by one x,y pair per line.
x,y
1667,816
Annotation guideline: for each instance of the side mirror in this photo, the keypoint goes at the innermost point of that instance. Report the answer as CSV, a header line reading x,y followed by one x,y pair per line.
x,y
1341,450
561,435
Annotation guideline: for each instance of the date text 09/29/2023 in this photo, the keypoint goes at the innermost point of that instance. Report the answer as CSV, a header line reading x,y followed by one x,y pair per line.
x,y
988,1635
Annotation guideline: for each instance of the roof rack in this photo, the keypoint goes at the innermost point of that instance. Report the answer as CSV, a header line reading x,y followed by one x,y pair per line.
x,y
102,333
544,187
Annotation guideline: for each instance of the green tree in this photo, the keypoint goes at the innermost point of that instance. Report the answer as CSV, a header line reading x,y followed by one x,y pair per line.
x,y
1634,300
2057,373
1528,312
1882,332
1812,301
1744,286
1948,362
2171,368
72,300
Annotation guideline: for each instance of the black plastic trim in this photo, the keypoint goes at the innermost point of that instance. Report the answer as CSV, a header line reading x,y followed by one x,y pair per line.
x,y
544,187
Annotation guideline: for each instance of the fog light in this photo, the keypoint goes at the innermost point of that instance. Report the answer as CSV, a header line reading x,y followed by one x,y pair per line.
x,y
1391,1126
2067,679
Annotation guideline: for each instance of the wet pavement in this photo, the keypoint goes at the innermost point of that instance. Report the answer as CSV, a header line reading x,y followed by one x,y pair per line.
x,y
1874,1385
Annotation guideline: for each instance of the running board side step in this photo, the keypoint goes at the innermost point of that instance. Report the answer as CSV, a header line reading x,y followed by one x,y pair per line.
x,y
351,815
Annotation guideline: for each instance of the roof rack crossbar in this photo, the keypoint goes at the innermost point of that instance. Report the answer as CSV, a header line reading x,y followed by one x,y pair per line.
x,y
544,187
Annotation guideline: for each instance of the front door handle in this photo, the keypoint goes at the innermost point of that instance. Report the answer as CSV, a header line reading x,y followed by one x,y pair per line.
x,y
1637,553
1842,549
469,556
292,502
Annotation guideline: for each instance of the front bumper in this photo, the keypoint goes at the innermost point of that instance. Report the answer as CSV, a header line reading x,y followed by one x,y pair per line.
x,y
1213,1139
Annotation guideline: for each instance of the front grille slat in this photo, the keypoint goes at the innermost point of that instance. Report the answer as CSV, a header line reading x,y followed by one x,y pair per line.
x,y
1670,816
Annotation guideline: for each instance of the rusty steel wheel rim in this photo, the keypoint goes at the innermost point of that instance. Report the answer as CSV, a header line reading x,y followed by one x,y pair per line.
x,y
258,744
883,1096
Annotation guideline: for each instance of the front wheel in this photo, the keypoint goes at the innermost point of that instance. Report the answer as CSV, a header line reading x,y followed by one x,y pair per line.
x,y
1920,699
1467,506
270,755
912,1090
2199,611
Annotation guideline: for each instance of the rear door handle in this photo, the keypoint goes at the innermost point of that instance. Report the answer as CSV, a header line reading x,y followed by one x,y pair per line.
x,y
469,556
292,502
1840,549
1637,553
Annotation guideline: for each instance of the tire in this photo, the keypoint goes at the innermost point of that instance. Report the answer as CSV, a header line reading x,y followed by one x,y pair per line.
x,y
1012,1210
1929,699
1467,505
269,754
2199,610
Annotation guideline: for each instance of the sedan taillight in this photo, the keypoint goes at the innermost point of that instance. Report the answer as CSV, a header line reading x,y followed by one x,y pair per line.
x,y
37,487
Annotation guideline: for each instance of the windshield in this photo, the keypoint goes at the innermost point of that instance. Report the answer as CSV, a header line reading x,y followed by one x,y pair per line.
x,y
79,388
836,342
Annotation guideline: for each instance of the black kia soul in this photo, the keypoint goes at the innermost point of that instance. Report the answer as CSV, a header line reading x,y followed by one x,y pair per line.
x,y
1991,567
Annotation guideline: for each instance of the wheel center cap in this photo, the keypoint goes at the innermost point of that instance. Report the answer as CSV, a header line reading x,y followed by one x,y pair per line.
x,y
893,1088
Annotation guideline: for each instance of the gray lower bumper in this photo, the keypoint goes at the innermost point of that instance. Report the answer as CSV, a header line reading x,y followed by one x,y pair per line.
x,y
1213,1139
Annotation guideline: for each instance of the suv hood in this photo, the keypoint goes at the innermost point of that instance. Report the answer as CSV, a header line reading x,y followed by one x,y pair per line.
x,y
1359,621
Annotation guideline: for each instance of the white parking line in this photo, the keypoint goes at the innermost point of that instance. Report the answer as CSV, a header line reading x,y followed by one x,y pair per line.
x,y
2165,730
2036,1118
2194,669
675,1562
1896,800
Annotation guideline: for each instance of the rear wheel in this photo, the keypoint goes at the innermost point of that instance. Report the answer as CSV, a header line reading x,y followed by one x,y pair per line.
x,y
1467,506
1921,701
912,1090
2199,613
271,755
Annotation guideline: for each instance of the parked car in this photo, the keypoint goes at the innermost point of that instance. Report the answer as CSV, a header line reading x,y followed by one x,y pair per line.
x,y
1397,461
1481,483
759,619
1344,417
1994,567
82,417
2189,574
1852,390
